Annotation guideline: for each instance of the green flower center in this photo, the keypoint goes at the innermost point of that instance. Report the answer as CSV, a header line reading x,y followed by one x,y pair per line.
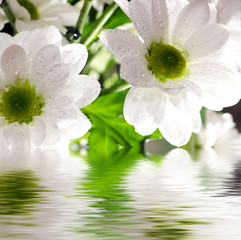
x,y
30,8
166,62
19,103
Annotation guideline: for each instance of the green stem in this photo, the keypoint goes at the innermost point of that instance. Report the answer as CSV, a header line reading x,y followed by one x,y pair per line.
x,y
83,15
9,15
88,38
203,115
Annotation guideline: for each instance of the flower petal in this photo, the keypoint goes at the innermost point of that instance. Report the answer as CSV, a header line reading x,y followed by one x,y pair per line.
x,y
78,128
146,128
159,20
66,14
176,126
218,80
44,58
14,63
191,17
33,41
124,5
52,135
53,81
22,25
212,101
18,10
134,71
83,90
6,41
122,43
37,131
144,105
75,55
208,39
15,133
141,18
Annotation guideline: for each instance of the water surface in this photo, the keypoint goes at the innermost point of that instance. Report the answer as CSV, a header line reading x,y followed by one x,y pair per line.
x,y
172,195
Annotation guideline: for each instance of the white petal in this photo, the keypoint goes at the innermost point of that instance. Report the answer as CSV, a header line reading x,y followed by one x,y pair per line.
x,y
52,34
15,133
193,16
124,5
59,113
144,105
14,63
19,11
217,79
44,58
54,80
146,128
83,90
52,135
122,43
64,117
37,131
159,20
174,7
176,126
67,15
212,101
227,10
6,41
34,40
141,18
197,123
22,25
75,55
134,71
79,128
208,39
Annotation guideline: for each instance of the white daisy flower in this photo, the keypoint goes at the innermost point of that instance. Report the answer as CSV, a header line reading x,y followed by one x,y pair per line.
x,y
171,69
40,89
219,132
99,4
32,14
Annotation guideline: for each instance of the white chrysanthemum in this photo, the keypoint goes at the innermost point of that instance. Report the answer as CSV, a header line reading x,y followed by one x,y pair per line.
x,y
32,14
99,4
171,71
219,132
41,90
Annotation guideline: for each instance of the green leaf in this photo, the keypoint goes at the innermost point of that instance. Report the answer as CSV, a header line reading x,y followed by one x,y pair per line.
x,y
110,131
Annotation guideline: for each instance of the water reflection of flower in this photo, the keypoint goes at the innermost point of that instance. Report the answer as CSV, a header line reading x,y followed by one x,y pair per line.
x,y
186,194
35,195
220,143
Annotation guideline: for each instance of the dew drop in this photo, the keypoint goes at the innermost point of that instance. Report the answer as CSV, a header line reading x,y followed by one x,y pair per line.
x,y
41,57
73,34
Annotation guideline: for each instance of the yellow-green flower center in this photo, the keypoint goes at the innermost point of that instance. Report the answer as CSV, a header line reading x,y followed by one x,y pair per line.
x,y
19,103
166,62
30,8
